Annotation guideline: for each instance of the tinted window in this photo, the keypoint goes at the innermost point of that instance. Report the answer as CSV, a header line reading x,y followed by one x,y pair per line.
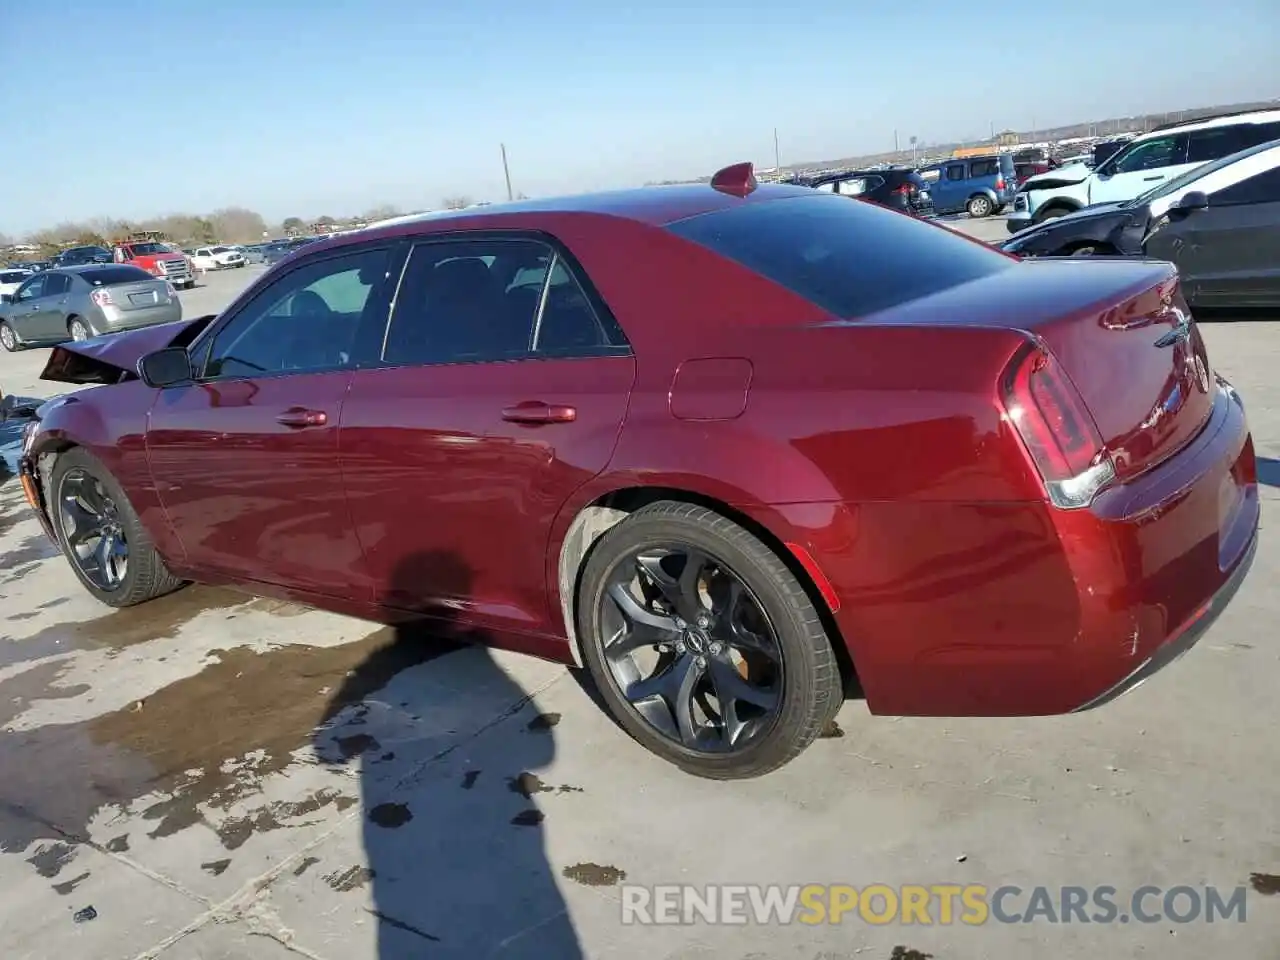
x,y
1206,145
56,284
476,300
984,168
956,171
13,277
1262,132
1151,154
1261,188
303,322
851,259
146,249
107,276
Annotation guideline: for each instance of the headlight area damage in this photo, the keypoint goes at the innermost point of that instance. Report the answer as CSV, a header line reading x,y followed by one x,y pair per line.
x,y
98,361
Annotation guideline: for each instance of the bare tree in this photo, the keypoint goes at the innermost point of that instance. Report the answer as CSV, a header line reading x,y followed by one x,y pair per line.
x,y
384,212
456,202
237,225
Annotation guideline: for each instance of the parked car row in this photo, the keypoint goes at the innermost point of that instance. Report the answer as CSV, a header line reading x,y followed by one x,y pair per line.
x,y
1218,222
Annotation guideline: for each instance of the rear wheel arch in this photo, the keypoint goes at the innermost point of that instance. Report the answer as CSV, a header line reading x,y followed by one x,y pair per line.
x,y
600,515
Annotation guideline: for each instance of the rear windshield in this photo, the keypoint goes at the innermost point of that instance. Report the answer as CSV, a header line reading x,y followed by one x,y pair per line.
x,y
109,276
851,259
16,276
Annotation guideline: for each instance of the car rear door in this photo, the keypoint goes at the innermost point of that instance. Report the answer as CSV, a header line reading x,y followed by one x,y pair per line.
x,y
500,388
245,459
53,305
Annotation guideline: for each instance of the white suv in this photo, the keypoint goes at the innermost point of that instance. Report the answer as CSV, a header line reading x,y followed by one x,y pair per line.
x,y
217,258
1147,160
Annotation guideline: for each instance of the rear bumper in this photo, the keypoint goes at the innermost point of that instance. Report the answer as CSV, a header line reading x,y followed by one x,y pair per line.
x,y
121,320
1021,609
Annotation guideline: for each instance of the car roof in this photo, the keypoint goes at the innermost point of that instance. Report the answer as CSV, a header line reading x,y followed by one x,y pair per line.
x,y
656,206
1225,120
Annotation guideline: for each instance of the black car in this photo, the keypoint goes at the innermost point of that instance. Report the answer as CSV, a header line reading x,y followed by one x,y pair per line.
x,y
1219,223
899,188
78,256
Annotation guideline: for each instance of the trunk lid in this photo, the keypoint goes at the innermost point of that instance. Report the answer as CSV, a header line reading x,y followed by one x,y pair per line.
x,y
138,295
1122,333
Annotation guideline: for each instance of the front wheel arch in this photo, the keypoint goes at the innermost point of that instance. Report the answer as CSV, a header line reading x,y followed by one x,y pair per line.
x,y
610,509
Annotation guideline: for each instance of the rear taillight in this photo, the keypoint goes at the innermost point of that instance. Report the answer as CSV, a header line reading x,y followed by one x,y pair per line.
x,y
905,190
101,297
999,183
1059,435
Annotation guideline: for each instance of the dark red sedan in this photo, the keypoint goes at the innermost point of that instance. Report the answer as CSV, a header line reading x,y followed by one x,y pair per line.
x,y
736,449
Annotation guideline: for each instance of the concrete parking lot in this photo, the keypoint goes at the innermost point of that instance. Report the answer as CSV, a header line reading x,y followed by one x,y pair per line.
x,y
214,776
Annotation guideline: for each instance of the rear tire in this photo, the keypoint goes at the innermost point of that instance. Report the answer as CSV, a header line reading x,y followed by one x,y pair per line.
x,y
9,339
979,207
707,644
77,329
77,478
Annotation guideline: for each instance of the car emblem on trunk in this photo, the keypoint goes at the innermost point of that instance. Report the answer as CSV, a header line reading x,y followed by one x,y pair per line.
x,y
1180,333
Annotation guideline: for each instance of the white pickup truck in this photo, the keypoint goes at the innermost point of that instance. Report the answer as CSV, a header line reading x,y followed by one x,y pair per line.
x,y
217,258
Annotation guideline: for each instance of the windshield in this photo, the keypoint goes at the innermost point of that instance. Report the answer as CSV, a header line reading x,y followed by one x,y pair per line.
x,y
1191,176
146,249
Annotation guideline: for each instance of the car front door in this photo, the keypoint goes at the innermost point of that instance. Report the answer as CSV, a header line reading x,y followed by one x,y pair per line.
x,y
245,458
1230,255
499,389
24,313
1139,167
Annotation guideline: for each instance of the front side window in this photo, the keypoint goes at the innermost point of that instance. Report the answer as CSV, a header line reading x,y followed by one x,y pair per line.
x,y
304,322
1261,188
1151,155
32,288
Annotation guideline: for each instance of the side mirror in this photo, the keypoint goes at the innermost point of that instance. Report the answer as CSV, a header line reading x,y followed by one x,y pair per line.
x,y
1189,201
165,368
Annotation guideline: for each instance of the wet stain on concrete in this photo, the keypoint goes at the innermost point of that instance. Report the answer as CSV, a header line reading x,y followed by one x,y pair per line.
x,y
390,815
32,549
1267,884
50,858
55,602
305,865
594,874
65,888
352,878
528,818
401,925
19,617
118,844
18,691
216,867
355,745
202,744
543,722
235,831
909,953
18,572
831,731
526,784
469,779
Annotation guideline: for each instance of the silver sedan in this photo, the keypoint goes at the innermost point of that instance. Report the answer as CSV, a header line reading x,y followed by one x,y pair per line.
x,y
76,303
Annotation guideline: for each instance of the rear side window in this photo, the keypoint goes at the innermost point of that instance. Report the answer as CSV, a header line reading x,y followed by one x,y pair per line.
x,y
984,168
1206,145
851,259
108,276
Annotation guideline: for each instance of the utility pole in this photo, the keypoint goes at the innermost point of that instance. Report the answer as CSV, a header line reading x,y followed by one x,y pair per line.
x,y
506,171
895,142
777,156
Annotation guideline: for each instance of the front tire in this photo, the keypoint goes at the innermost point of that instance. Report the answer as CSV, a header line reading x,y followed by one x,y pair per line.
x,y
724,668
9,339
100,534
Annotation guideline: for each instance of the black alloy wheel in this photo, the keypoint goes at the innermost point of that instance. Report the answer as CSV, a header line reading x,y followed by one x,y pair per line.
x,y
703,643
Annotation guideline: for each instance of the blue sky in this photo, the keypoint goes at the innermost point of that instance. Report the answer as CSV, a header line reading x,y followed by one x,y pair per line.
x,y
133,108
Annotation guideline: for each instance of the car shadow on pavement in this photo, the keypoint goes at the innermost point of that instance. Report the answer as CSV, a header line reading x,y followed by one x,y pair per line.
x,y
455,859
1269,472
